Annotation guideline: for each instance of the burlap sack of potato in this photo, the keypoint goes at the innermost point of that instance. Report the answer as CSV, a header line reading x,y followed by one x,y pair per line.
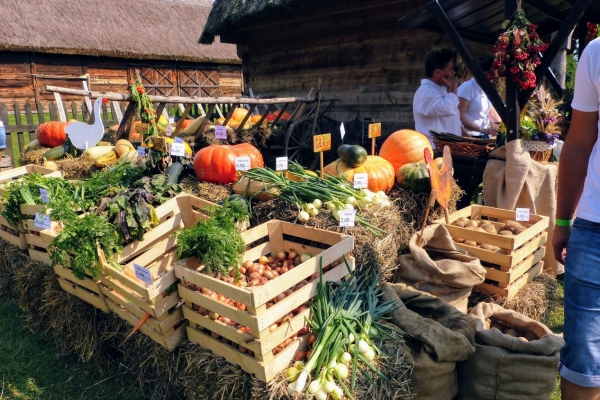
x,y
440,268
505,366
438,335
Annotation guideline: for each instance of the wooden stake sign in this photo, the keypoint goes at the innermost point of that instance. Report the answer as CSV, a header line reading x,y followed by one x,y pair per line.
x,y
321,143
374,133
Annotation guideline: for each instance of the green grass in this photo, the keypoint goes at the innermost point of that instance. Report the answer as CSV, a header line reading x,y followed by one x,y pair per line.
x,y
31,368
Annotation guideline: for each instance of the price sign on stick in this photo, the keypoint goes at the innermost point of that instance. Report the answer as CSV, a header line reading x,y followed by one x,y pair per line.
x,y
374,132
42,221
347,218
361,181
522,214
242,163
44,194
221,132
281,163
321,143
177,149
142,274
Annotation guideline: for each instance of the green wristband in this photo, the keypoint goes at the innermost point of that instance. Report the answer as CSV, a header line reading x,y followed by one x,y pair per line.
x,y
563,222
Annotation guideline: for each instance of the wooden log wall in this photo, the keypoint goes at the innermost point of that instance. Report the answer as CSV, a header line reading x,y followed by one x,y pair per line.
x,y
23,75
364,57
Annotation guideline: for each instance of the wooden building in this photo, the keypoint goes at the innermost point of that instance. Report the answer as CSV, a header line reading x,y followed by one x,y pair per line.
x,y
52,42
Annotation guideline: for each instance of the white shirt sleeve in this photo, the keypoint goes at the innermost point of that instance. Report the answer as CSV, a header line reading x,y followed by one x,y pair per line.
x,y
441,106
586,93
465,91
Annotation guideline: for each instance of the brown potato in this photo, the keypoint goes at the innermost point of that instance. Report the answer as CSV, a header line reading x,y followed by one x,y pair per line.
x,y
471,243
530,336
520,230
463,220
497,325
511,332
489,228
459,223
514,224
459,240
522,338
474,223
506,232
489,247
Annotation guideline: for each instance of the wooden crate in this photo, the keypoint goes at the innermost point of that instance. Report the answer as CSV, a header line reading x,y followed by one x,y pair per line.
x,y
7,232
156,252
38,240
260,340
86,289
520,255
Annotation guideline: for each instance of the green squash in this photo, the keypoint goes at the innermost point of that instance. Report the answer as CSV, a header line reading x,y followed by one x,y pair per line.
x,y
415,177
352,154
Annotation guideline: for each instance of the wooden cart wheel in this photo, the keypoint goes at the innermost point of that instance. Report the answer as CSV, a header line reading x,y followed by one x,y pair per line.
x,y
298,144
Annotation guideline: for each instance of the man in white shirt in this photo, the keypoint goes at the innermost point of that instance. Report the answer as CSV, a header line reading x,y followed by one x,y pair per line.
x,y
435,104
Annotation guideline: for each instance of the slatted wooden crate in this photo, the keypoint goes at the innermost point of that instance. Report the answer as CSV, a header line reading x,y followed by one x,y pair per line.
x,y
130,296
273,236
86,289
520,258
8,232
39,239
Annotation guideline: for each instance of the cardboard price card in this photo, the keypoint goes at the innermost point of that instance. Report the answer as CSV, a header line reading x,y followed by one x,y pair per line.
x,y
142,274
522,214
44,194
242,163
220,132
322,142
347,218
42,221
281,163
374,130
361,181
177,149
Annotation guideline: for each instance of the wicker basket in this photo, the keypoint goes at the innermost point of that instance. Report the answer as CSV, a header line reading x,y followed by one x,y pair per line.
x,y
539,151
463,146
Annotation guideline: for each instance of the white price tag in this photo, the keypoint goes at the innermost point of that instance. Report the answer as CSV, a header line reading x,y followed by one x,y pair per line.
x,y
141,151
169,130
281,163
44,194
361,181
177,149
171,120
142,274
347,218
42,221
221,132
242,163
523,214
342,131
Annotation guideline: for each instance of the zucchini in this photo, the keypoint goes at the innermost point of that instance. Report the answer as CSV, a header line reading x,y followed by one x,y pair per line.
x,y
33,145
174,172
352,154
55,153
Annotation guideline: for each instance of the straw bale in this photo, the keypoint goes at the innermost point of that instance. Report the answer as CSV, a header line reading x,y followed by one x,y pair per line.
x,y
205,190
11,260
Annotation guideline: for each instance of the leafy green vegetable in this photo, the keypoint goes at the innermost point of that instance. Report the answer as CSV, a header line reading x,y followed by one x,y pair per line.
x,y
75,246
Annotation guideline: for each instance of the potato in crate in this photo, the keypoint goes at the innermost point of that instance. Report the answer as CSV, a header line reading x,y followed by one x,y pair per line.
x,y
257,321
510,251
144,281
12,234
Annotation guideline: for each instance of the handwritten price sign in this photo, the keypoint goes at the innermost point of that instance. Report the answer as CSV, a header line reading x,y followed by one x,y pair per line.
x,y
347,218
374,130
322,142
142,274
242,163
44,194
220,132
281,163
361,181
522,214
42,221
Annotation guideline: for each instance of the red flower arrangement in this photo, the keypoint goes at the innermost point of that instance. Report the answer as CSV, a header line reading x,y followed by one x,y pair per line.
x,y
517,52
147,111
592,31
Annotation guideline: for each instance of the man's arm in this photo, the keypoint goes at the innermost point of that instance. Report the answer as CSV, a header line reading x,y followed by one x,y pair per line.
x,y
572,171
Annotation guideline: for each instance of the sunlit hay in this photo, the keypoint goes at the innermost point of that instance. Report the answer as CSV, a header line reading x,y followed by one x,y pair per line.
x,y
156,370
12,260
76,168
35,156
412,209
369,249
536,300
207,376
28,292
207,138
256,135
205,190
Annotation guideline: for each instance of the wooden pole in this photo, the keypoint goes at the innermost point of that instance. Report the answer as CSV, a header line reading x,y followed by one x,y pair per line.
x,y
430,204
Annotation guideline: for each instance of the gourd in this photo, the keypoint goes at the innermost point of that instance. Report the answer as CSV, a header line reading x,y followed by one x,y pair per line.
x,y
273,116
381,172
255,118
58,152
216,163
33,145
108,158
242,188
414,176
131,156
405,146
50,165
352,154
95,152
174,173
123,147
51,134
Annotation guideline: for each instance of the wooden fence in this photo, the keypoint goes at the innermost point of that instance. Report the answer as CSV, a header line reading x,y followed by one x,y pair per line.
x,y
21,125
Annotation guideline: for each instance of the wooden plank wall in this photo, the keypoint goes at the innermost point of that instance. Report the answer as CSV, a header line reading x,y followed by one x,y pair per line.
x,y
20,79
364,57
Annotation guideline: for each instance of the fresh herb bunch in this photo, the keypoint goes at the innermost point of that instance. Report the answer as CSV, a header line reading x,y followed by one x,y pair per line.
x,y
75,247
102,183
157,186
216,241
147,111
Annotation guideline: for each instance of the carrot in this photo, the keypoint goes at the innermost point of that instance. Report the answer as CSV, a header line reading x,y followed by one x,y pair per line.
x,y
137,326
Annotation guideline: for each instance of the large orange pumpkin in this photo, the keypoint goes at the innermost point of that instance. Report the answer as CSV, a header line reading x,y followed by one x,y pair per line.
x,y
403,147
51,134
216,163
239,114
381,172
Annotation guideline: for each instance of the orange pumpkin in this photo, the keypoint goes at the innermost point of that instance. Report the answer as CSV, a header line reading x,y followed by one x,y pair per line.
x,y
186,123
51,134
216,163
405,146
255,118
284,117
381,172
239,114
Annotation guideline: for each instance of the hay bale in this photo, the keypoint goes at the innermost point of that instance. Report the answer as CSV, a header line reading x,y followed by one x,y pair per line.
x,y
29,289
33,156
12,260
205,190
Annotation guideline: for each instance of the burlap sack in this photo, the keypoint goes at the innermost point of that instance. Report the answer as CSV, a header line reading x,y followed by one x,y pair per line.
x,y
438,336
506,367
440,268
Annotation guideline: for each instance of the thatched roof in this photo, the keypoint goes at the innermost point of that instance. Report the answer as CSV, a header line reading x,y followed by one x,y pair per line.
x,y
135,29
226,14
